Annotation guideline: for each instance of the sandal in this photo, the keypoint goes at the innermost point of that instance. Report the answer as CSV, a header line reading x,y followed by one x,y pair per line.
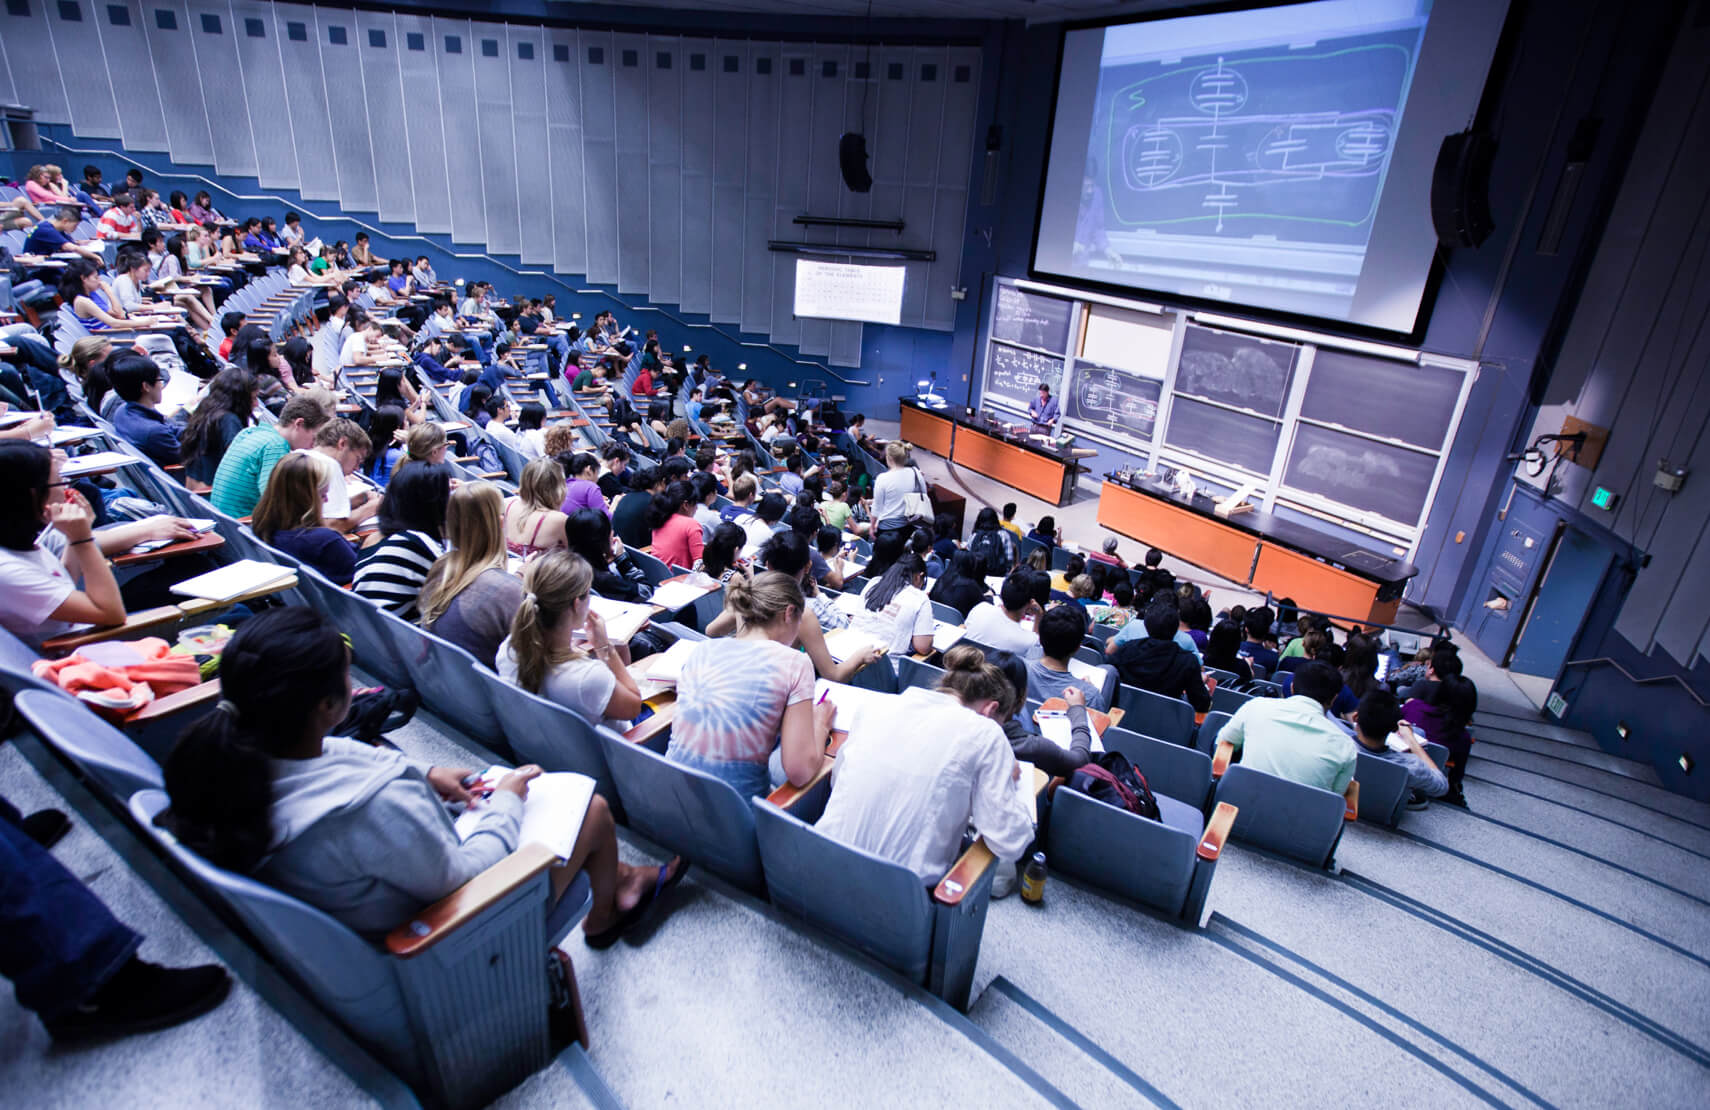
x,y
633,916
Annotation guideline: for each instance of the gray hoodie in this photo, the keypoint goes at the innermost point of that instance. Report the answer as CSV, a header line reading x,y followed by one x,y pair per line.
x,y
360,833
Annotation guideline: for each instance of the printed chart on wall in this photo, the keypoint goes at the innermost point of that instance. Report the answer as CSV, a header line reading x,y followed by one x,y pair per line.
x,y
1013,375
1032,319
1116,402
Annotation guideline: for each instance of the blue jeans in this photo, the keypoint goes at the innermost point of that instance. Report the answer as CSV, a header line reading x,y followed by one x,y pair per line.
x,y
747,779
58,942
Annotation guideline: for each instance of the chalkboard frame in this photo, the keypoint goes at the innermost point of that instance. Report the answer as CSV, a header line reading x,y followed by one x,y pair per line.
x,y
1074,418
1060,347
1010,400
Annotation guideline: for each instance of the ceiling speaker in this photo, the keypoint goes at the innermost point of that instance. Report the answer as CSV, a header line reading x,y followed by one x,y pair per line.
x,y
852,157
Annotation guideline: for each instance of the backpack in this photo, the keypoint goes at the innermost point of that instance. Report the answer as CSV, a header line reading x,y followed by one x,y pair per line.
x,y
1111,779
993,553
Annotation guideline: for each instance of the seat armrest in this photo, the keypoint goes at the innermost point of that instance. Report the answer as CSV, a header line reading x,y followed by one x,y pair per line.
x,y
787,795
135,622
1221,758
654,725
468,901
1351,798
184,699
963,874
1216,831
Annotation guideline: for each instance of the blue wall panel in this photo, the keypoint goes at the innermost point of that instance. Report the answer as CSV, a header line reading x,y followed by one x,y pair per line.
x,y
631,141
731,160
424,128
496,135
89,94
599,155
695,204
665,63
564,149
341,70
765,91
262,87
211,35
464,171
34,66
181,93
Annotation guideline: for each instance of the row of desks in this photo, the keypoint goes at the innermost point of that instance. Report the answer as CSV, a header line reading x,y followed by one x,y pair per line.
x,y
958,433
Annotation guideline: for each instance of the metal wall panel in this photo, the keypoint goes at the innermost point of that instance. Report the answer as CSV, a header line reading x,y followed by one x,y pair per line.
x,y
599,155
797,80
564,148
181,97
665,63
7,91
35,69
353,147
630,144
222,82
694,266
424,130
730,178
497,138
457,107
758,214
383,93
263,89
846,339
528,121
89,94
306,101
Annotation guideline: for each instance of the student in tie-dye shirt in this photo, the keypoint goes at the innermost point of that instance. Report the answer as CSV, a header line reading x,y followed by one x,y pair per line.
x,y
740,697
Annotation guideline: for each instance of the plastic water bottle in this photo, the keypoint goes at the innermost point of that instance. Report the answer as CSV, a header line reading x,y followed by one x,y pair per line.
x,y
1033,880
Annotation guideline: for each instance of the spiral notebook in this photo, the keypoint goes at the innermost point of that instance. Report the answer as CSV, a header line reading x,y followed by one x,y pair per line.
x,y
552,811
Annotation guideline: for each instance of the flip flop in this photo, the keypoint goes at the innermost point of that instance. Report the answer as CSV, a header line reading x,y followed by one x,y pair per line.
x,y
634,915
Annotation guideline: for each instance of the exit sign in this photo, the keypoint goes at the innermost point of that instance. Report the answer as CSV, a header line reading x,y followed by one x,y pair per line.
x,y
1603,498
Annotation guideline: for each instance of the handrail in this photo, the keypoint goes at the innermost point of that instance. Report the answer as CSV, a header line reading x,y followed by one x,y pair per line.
x,y
1443,627
418,238
1636,680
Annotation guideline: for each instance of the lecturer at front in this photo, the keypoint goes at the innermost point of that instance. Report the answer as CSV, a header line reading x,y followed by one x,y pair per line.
x,y
1043,410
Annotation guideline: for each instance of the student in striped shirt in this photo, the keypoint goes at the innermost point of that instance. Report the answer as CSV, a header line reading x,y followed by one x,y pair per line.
x,y
412,522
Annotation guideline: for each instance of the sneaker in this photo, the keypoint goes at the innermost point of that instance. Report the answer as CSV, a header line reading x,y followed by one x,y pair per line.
x,y
142,997
1004,882
46,827
1454,797
1417,800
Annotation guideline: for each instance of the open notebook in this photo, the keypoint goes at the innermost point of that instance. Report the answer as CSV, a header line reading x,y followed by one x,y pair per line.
x,y
246,576
1054,726
678,594
623,618
552,812
843,643
852,702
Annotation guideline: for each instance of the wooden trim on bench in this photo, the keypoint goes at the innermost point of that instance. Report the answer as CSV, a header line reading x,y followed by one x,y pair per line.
x,y
954,886
469,901
1216,831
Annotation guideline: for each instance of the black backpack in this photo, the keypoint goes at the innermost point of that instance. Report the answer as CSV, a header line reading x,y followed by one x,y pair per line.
x,y
1111,779
993,553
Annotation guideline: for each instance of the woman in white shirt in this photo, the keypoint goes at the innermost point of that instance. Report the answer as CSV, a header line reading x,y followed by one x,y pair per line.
x,y
918,769
891,489
541,654
895,608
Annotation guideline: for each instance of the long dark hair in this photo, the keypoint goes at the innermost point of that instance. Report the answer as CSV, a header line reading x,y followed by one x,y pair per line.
x,y
719,553
381,425
666,505
25,470
281,664
588,532
1359,664
388,389
300,356
1456,700
232,390
900,575
416,498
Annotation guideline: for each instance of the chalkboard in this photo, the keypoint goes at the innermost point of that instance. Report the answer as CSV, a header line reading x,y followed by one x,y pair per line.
x,y
1236,369
1032,320
1380,397
1113,400
1233,438
1373,477
1013,375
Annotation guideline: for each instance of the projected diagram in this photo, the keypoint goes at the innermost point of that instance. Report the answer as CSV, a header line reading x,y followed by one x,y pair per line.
x,y
1265,144
1115,400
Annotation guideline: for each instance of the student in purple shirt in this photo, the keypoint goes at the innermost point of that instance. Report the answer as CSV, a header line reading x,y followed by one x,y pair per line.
x,y
582,489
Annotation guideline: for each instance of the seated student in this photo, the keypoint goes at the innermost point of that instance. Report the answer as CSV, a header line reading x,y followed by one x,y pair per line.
x,y
469,596
1375,720
1359,673
1296,647
288,517
895,608
582,489
48,544
994,546
1119,611
424,443
359,832
1442,709
629,515
412,527
1108,556
1046,533
531,430
387,428
614,463
1157,663
1442,660
962,586
1222,650
787,553
1137,630
1258,646
837,510
918,771
1154,577
999,625
1025,739
1084,590
532,520
616,575
1060,632
721,558
705,490
141,384
540,655
676,535
348,502
243,472
1294,738
741,696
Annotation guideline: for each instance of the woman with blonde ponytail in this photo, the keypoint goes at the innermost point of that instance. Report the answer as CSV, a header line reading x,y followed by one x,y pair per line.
x,y
469,596
737,695
541,655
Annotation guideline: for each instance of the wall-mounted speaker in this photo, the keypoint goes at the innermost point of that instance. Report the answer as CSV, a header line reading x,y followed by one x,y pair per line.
x,y
852,158
1460,189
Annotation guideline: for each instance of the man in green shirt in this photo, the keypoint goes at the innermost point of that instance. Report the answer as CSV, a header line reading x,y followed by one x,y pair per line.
x,y
255,451
1294,738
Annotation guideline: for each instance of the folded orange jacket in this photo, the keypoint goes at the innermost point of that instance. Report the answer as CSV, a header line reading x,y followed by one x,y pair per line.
x,y
164,672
